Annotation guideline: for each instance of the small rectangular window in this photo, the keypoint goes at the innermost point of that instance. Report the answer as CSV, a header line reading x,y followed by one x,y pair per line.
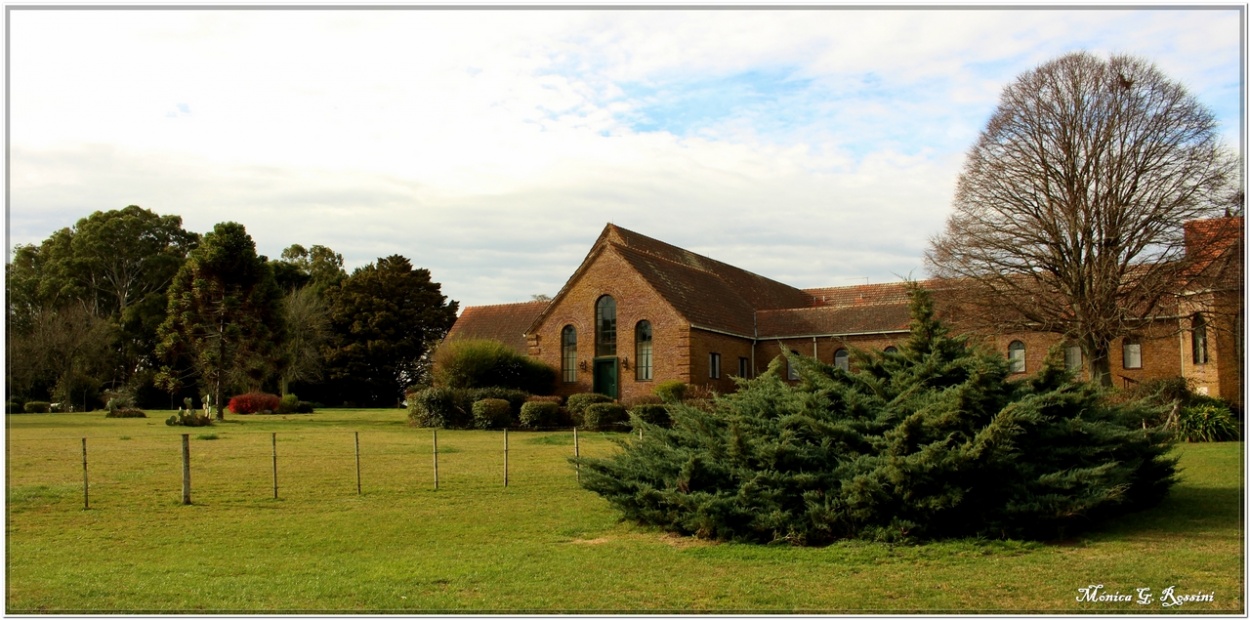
x,y
714,365
1132,354
744,367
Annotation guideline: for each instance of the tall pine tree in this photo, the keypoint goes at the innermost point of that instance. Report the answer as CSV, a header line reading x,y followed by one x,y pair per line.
x,y
225,315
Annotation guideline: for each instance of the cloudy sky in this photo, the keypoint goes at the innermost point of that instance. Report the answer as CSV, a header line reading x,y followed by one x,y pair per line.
x,y
819,147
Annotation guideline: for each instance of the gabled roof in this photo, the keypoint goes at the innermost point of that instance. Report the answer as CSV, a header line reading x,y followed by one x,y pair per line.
x,y
506,323
708,293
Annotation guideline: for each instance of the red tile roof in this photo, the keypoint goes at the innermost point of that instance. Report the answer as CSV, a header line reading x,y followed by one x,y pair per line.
x,y
860,295
833,321
506,323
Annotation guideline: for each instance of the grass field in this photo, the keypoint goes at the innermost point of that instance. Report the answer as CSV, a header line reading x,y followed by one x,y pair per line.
x,y
539,545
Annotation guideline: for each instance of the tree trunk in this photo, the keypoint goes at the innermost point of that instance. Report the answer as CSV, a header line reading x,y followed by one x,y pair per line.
x,y
1099,355
221,369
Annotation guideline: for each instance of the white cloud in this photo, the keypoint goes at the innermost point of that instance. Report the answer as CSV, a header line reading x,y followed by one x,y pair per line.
x,y
811,146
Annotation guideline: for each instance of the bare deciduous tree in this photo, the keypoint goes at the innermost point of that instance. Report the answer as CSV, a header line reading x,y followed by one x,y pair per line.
x,y
1069,211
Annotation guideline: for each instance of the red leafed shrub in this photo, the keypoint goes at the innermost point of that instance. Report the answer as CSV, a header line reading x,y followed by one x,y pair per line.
x,y
254,402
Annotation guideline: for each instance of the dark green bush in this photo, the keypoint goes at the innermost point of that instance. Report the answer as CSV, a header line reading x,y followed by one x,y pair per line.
x,y
288,403
489,363
441,407
125,412
934,441
38,406
515,398
655,415
671,392
492,413
577,403
1207,422
604,417
538,414
14,406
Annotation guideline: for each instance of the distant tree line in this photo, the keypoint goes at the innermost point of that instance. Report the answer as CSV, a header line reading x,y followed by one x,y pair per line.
x,y
127,302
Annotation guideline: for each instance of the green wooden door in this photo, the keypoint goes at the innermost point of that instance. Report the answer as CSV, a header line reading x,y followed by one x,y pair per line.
x,y
606,377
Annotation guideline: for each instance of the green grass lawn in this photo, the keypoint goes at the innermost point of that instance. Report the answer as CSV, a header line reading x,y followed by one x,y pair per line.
x,y
539,545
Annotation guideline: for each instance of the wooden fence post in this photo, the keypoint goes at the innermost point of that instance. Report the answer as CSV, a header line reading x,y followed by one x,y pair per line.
x,y
186,469
358,463
577,453
505,458
86,504
275,466
436,459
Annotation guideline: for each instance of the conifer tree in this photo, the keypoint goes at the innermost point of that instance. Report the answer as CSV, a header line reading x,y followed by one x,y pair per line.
x,y
930,442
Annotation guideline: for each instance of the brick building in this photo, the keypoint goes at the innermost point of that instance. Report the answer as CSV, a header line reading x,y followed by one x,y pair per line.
x,y
639,311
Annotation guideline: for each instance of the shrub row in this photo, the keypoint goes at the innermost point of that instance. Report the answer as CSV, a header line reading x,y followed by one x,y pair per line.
x,y
459,408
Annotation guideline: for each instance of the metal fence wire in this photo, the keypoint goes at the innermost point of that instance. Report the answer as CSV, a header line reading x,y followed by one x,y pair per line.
x,y
211,466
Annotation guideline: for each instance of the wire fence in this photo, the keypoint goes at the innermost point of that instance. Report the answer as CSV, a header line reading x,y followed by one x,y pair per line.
x,y
208,466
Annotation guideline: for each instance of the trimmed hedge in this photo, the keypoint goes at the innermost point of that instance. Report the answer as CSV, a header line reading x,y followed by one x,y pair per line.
x,y
537,414
38,406
441,407
491,413
577,403
604,417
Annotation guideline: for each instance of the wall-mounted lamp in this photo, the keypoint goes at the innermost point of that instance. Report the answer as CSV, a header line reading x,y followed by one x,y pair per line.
x,y
584,365
625,363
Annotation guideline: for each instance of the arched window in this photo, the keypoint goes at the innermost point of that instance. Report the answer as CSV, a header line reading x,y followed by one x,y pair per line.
x,y
1015,355
1131,350
642,351
605,326
891,350
1198,326
568,353
1072,359
842,359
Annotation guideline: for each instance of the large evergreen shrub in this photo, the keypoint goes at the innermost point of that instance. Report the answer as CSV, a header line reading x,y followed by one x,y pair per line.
x,y
930,442
489,363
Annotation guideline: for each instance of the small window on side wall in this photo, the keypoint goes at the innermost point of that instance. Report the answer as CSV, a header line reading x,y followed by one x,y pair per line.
x,y
842,359
1015,356
713,362
1198,325
1132,353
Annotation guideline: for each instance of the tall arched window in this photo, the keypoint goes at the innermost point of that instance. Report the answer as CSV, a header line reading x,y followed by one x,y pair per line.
x,y
842,359
1198,326
568,353
642,351
605,326
1015,355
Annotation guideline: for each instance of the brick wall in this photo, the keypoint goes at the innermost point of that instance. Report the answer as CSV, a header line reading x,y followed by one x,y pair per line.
x,y
608,274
